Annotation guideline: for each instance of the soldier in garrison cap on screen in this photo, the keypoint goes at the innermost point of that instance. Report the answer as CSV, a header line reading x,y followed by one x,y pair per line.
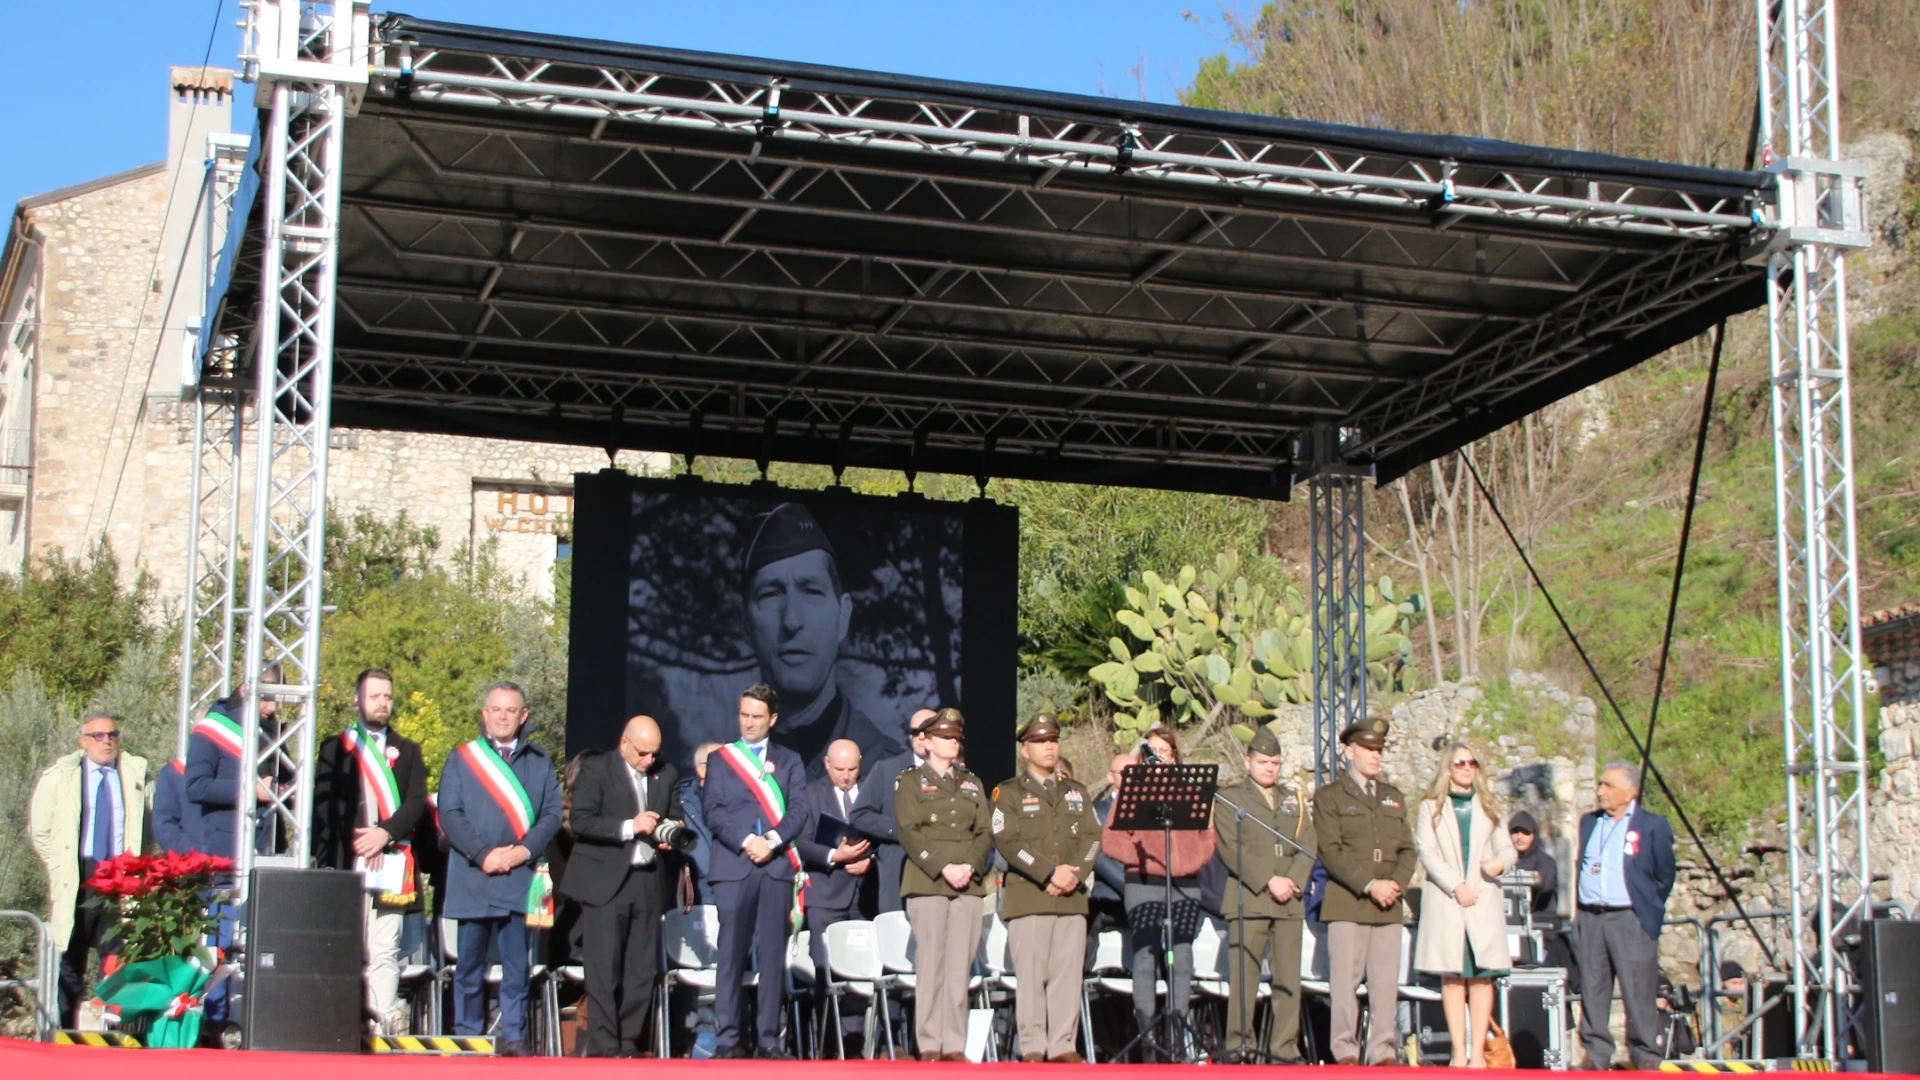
x,y
797,617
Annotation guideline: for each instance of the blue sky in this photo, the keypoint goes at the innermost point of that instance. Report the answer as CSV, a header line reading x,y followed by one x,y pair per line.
x,y
86,86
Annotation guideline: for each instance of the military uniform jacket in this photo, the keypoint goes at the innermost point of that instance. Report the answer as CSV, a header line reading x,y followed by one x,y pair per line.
x,y
942,820
1036,828
1362,838
1260,858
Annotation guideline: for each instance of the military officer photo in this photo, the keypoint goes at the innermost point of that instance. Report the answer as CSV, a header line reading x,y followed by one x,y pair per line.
x,y
1367,847
1044,826
945,830
797,616
1272,877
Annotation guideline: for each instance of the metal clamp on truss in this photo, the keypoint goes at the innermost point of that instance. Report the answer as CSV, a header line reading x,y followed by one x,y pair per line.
x,y
770,122
1817,202
287,41
1123,149
1317,452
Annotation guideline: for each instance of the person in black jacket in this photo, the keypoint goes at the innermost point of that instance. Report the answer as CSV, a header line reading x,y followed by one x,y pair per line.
x,y
873,810
622,809
840,877
369,794
1546,893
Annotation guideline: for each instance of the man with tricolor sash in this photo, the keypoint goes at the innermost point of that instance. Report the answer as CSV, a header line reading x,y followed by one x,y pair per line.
x,y
755,802
213,773
499,807
369,793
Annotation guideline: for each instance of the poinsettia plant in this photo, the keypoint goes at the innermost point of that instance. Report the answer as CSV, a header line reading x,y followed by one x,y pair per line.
x,y
161,902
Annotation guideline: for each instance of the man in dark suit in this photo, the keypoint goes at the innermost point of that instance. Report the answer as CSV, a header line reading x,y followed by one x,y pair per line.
x,y
618,872
499,804
840,878
369,793
873,811
1625,873
173,817
755,803
213,773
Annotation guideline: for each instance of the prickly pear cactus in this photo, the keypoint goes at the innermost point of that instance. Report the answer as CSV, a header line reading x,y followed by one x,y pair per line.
x,y
1206,648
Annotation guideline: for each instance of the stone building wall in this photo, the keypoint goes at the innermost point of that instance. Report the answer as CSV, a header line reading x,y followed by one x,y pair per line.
x,y
112,440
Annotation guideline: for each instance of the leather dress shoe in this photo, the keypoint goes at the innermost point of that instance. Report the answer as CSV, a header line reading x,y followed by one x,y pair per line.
x,y
1032,1058
953,1057
932,1057
1348,1061
511,1049
1068,1058
772,1053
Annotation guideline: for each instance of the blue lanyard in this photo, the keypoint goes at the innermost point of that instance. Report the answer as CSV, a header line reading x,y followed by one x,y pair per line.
x,y
1598,850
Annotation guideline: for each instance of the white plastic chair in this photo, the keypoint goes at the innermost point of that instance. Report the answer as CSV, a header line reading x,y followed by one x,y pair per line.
x,y
689,957
1107,976
853,967
800,976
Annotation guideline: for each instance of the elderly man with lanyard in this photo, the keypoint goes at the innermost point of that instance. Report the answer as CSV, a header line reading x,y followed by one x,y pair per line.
x,y
1626,872
499,804
797,615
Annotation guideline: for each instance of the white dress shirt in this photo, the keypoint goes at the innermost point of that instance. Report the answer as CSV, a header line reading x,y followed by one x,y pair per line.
x,y
642,853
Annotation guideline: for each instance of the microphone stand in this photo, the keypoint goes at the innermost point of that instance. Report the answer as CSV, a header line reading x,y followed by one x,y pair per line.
x,y
1241,816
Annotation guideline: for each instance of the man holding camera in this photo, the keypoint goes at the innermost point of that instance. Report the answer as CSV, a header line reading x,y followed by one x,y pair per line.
x,y
626,812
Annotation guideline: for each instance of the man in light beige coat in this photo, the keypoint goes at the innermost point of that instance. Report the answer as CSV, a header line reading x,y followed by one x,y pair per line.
x,y
89,806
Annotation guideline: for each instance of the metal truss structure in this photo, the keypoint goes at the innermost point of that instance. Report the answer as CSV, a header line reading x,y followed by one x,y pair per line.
x,y
213,487
469,231
1821,218
307,62
1337,569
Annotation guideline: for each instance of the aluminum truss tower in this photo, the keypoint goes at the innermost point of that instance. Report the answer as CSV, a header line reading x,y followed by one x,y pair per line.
x,y
309,65
1820,217
213,485
1337,540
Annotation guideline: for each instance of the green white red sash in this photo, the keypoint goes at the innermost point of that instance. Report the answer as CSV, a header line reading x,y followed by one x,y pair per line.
x,y
375,772
501,785
758,776
222,730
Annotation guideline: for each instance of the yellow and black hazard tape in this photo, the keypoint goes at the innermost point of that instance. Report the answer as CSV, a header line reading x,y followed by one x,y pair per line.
x,y
96,1038
428,1044
1780,1065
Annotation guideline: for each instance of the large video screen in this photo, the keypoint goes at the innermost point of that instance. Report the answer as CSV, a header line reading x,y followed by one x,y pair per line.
x,y
857,609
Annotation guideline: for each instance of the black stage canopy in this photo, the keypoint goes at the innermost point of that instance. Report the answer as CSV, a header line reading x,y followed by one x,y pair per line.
x,y
585,242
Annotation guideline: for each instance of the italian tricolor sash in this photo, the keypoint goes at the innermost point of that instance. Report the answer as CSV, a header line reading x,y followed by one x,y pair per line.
x,y
504,787
375,772
223,730
380,794
758,776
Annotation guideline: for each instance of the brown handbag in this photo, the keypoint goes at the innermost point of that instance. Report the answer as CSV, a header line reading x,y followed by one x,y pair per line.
x,y
1499,1048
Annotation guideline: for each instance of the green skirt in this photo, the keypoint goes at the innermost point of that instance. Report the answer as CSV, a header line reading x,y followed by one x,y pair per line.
x,y
1472,970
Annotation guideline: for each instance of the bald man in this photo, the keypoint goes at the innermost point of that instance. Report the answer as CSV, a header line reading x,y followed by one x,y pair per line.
x,y
618,873
840,876
873,810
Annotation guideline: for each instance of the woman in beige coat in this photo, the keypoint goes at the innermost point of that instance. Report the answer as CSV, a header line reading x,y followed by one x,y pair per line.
x,y
1461,837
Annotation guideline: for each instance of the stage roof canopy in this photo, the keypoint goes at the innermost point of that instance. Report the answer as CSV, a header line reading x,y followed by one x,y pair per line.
x,y
602,244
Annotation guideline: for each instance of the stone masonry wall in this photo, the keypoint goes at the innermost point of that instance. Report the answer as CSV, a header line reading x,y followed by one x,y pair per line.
x,y
98,390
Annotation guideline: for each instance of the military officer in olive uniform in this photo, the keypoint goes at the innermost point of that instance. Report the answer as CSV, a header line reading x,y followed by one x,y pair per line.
x,y
1367,847
1272,875
946,830
1043,825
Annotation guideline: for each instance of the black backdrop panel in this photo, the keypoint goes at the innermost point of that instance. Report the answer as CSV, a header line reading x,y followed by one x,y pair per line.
x,y
662,623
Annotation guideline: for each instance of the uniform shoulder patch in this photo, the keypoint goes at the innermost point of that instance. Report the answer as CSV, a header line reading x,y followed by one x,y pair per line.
x,y
999,821
996,792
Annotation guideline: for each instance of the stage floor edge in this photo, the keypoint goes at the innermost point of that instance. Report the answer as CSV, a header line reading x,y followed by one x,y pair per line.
x,y
21,1060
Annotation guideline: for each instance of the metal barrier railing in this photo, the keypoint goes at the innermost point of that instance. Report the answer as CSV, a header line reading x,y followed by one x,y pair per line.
x,y
44,984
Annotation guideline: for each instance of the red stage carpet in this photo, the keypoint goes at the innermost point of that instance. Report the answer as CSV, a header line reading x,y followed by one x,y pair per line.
x,y
35,1061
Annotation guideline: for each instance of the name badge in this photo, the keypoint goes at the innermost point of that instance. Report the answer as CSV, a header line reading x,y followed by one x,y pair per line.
x,y
1376,855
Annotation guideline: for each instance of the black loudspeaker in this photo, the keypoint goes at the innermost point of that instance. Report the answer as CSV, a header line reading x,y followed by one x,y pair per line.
x,y
1890,951
304,943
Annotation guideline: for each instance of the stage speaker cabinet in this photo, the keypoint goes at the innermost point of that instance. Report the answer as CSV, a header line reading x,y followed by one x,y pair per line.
x,y
1534,1011
1891,954
303,988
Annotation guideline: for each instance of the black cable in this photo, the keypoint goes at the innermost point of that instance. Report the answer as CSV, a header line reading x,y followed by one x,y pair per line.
x,y
1686,534
159,246
1653,770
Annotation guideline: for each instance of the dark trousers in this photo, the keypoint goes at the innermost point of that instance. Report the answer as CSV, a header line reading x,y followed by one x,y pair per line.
x,y
621,949
853,1021
753,917
1612,944
89,922
470,976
